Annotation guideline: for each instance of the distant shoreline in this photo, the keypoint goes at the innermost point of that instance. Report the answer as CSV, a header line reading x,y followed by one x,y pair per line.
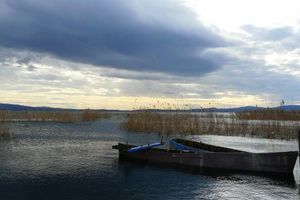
x,y
17,107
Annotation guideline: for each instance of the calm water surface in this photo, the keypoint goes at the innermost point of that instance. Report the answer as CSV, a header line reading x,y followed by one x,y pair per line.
x,y
75,161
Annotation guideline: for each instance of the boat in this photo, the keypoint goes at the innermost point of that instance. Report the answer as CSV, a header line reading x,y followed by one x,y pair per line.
x,y
212,157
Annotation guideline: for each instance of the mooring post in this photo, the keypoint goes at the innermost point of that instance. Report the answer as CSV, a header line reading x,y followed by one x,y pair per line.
x,y
162,137
299,143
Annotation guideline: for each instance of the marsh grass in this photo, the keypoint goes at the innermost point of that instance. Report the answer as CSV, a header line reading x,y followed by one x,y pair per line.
x,y
180,122
52,116
269,114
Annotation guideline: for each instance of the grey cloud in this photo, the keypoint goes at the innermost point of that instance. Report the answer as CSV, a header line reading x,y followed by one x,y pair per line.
x,y
135,35
269,34
31,68
256,80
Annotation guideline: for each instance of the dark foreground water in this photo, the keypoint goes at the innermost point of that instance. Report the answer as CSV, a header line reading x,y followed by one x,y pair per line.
x,y
75,161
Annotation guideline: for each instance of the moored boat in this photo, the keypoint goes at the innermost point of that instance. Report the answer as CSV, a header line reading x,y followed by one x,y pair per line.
x,y
278,162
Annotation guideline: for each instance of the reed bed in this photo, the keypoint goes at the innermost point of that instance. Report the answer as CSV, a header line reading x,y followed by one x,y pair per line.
x,y
178,122
52,116
269,114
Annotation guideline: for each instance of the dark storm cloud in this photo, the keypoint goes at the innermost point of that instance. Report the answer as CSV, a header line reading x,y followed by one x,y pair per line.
x,y
159,36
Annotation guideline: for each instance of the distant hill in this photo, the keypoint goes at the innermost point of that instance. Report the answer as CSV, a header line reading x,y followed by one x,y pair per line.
x,y
246,108
290,107
237,109
16,107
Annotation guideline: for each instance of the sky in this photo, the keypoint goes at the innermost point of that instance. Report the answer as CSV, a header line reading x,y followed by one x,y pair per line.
x,y
117,54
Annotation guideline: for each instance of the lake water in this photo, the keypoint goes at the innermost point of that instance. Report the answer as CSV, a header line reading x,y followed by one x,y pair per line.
x,y
76,161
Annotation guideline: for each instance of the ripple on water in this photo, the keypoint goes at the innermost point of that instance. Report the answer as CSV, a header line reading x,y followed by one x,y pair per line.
x,y
75,161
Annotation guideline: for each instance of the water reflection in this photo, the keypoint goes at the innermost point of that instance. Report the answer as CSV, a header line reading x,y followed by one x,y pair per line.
x,y
75,161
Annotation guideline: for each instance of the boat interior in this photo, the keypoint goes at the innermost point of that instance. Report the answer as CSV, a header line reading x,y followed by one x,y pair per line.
x,y
204,146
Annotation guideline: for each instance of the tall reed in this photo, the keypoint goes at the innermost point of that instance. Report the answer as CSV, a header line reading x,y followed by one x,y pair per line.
x,y
269,114
52,116
180,122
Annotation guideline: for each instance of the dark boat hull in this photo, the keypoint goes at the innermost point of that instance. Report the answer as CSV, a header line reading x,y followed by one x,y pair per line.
x,y
281,162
